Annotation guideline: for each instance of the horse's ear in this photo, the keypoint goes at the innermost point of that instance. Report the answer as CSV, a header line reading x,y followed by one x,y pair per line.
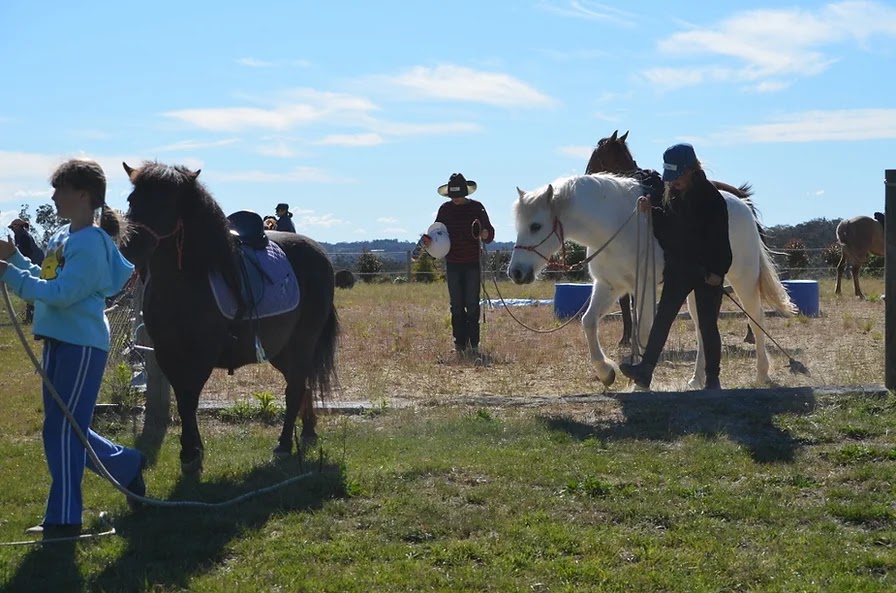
x,y
195,174
624,136
549,193
520,192
127,169
613,137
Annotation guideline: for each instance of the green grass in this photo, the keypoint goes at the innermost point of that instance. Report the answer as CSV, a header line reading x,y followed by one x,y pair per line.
x,y
705,495
785,491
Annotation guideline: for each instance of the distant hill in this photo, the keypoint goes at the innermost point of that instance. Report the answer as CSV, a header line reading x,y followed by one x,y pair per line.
x,y
816,234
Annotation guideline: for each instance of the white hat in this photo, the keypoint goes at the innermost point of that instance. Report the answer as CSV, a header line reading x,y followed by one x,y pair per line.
x,y
440,244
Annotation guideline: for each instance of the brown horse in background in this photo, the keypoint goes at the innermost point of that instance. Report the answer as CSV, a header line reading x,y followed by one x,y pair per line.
x,y
859,237
611,155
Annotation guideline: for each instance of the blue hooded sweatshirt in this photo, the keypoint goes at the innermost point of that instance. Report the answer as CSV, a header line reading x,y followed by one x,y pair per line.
x,y
69,290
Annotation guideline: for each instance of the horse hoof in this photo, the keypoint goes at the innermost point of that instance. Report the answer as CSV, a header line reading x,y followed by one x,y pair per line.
x,y
695,384
611,378
191,467
282,451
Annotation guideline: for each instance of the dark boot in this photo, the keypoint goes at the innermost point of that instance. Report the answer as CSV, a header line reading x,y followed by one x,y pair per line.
x,y
641,373
713,383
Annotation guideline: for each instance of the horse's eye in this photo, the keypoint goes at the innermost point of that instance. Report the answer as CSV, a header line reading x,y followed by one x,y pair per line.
x,y
535,227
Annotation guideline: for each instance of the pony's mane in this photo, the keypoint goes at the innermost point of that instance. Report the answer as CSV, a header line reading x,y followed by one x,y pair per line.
x,y
205,227
564,187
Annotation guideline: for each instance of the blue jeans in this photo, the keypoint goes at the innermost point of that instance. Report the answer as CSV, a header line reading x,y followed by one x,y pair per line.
x,y
463,290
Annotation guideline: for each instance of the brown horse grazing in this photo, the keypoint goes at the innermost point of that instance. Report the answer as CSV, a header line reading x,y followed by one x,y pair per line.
x,y
178,236
611,155
859,237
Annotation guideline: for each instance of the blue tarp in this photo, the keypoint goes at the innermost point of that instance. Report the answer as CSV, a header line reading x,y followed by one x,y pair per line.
x,y
517,302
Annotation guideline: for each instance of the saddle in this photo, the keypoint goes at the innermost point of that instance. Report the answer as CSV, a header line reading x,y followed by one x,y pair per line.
x,y
248,228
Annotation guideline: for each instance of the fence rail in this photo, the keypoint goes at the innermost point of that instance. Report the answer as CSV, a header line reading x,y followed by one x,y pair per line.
x,y
398,265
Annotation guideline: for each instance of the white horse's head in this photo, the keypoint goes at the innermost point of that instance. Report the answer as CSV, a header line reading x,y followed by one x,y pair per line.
x,y
539,234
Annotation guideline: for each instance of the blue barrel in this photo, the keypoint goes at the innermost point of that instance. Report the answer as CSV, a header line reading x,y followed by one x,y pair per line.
x,y
569,298
804,294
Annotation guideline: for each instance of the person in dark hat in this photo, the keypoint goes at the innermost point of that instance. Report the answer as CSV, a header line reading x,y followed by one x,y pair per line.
x,y
468,224
29,248
284,218
690,222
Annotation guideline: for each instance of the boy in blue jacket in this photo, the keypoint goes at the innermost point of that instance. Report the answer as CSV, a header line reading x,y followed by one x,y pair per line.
x,y
81,268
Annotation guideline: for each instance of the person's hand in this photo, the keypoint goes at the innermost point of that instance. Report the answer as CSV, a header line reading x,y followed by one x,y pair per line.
x,y
484,235
713,279
427,240
644,204
7,248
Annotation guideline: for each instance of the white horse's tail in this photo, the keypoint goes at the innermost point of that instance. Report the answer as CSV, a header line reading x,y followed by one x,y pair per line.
x,y
771,291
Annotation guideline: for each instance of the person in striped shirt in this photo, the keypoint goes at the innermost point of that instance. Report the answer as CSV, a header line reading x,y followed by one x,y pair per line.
x,y
468,224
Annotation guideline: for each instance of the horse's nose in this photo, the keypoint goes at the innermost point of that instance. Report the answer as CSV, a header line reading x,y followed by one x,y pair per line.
x,y
518,276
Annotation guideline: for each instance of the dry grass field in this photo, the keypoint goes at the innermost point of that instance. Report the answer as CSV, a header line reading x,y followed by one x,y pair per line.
x,y
396,343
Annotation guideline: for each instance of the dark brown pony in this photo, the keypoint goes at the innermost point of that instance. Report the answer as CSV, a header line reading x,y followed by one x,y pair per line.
x,y
859,237
177,235
611,155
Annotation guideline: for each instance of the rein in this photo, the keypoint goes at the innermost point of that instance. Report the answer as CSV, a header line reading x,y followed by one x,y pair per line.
x,y
177,233
558,230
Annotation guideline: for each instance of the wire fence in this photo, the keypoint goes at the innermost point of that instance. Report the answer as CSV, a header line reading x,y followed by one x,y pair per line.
x,y
398,266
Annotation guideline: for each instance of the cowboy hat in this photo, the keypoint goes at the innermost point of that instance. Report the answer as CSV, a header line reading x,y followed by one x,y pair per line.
x,y
440,244
457,187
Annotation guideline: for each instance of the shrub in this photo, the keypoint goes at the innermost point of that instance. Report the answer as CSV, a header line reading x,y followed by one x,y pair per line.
x,y
369,266
831,254
424,269
797,257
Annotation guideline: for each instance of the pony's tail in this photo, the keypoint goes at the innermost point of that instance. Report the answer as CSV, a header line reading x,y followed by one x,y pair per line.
x,y
114,223
842,233
323,375
771,291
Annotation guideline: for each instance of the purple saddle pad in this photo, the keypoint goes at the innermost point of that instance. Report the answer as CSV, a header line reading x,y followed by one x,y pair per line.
x,y
268,284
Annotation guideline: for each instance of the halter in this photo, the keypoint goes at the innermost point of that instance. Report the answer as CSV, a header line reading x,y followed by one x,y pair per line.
x,y
178,234
557,230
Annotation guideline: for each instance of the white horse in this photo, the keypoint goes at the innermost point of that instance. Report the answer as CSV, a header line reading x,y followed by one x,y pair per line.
x,y
589,210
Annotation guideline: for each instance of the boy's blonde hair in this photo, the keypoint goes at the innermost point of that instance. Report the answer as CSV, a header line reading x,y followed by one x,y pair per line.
x,y
84,175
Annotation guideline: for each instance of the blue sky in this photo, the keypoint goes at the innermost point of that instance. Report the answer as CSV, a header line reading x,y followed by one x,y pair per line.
x,y
354,112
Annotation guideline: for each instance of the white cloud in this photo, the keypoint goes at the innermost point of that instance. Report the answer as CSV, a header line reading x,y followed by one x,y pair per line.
x,y
457,83
184,145
254,63
365,139
326,221
297,107
820,126
387,220
766,47
582,153
310,174
393,231
592,11
403,129
279,149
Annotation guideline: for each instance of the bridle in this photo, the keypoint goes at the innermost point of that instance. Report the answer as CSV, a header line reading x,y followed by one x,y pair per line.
x,y
556,230
177,233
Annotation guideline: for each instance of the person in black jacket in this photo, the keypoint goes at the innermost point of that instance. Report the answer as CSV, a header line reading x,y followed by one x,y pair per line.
x,y
29,248
690,222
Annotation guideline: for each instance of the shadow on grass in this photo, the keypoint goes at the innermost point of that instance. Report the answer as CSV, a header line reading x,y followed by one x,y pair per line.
x,y
167,547
745,416
736,351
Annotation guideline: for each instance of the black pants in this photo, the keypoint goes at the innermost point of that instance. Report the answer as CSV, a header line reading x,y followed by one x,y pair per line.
x,y
679,279
463,290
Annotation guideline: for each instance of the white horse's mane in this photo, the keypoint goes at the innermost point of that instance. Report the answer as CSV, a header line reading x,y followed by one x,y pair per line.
x,y
564,187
